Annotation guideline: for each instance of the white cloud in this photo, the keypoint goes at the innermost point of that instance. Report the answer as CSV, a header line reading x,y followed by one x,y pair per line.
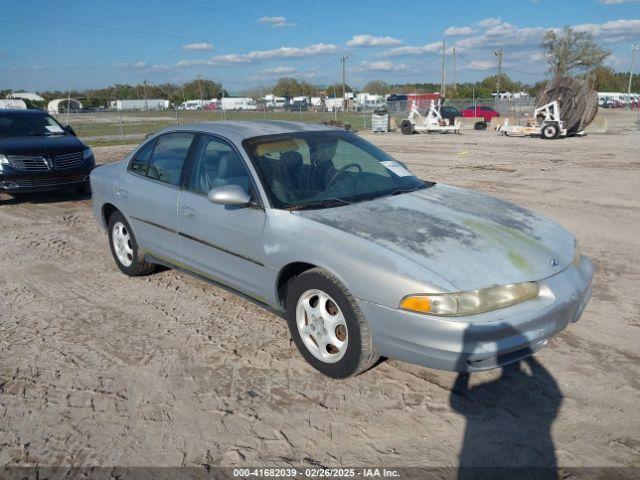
x,y
197,47
482,65
380,66
279,71
459,31
143,66
275,21
371,41
617,2
412,50
258,55
612,32
489,22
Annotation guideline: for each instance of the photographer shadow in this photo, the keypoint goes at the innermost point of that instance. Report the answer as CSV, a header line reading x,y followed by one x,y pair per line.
x,y
508,420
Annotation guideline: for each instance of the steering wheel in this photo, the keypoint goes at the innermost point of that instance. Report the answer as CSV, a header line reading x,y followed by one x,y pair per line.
x,y
340,172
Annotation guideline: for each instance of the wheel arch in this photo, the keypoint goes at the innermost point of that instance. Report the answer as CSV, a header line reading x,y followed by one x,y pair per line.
x,y
108,209
288,273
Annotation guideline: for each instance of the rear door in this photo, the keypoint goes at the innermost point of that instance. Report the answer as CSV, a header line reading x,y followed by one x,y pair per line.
x,y
148,193
223,242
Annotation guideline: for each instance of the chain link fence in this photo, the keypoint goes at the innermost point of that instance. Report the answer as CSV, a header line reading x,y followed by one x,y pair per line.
x,y
118,126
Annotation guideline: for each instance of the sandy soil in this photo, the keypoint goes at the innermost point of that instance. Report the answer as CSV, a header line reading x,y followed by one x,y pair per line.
x,y
100,369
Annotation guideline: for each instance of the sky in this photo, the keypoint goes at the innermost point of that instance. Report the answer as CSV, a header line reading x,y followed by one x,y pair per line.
x,y
76,44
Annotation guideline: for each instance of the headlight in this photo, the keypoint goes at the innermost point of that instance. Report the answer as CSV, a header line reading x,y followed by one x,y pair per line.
x,y
577,255
87,153
471,302
4,160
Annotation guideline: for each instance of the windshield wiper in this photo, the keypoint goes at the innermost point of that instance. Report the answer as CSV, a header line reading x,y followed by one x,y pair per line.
x,y
329,202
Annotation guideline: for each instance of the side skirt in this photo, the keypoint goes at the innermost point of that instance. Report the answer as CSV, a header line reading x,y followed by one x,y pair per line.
x,y
213,281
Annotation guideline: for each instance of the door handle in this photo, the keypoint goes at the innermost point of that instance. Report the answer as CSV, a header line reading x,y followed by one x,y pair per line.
x,y
121,193
188,212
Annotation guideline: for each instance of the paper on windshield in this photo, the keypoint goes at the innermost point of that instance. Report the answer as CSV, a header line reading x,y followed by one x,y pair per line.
x,y
53,128
396,168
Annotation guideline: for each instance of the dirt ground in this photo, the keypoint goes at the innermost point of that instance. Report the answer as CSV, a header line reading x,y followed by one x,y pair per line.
x,y
100,369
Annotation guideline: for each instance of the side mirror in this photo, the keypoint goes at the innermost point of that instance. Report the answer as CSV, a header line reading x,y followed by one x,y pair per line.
x,y
70,130
229,195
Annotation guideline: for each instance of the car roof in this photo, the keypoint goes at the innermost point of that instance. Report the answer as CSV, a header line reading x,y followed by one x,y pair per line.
x,y
243,129
22,111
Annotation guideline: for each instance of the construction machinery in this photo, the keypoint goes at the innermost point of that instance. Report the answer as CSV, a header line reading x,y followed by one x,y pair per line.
x,y
431,123
546,124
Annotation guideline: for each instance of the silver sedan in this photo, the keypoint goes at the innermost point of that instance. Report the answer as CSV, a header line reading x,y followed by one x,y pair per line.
x,y
363,258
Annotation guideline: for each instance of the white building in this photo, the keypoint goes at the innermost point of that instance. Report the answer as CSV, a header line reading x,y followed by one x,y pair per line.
x,y
13,104
140,104
34,97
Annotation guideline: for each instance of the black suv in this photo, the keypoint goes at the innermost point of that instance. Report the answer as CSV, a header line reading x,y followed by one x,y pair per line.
x,y
37,153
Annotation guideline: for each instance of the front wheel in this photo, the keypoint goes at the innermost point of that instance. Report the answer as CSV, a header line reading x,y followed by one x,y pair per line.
x,y
550,131
124,248
327,325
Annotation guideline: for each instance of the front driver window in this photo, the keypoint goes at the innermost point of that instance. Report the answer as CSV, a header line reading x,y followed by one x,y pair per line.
x,y
216,164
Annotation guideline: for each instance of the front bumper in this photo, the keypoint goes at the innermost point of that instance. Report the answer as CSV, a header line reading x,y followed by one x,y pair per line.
x,y
26,182
484,341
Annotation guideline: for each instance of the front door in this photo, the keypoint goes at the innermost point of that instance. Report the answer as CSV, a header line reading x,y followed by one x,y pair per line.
x,y
219,241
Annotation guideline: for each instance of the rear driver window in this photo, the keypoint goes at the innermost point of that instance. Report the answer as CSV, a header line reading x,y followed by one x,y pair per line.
x,y
140,162
169,156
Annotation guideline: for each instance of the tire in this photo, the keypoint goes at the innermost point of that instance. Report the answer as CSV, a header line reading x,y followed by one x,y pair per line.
x,y
126,255
406,127
480,126
336,307
84,189
550,131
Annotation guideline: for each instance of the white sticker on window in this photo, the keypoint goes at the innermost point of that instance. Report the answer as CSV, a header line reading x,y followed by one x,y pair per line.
x,y
396,168
53,128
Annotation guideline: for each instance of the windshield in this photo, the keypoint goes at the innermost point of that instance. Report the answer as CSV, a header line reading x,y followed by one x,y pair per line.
x,y
330,168
28,125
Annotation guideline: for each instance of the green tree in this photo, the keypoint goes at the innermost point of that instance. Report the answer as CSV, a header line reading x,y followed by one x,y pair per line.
x,y
335,89
571,52
290,87
376,87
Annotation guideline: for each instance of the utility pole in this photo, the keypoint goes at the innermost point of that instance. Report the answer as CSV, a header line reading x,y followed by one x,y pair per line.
x,y
200,87
634,50
343,60
146,107
455,83
443,75
499,54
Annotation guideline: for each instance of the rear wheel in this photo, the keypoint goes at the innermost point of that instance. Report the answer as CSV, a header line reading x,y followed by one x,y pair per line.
x,y
406,127
124,248
327,325
550,131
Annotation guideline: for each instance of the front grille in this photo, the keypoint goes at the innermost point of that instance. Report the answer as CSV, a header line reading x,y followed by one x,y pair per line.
x,y
29,163
46,182
68,160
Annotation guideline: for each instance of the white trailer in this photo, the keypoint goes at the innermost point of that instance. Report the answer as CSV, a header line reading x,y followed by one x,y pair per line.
x,y
271,101
546,124
238,103
432,123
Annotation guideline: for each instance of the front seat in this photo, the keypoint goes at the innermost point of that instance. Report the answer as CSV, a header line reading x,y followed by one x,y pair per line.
x,y
233,172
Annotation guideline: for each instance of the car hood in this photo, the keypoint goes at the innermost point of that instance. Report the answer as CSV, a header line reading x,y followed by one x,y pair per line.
x,y
53,144
471,239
